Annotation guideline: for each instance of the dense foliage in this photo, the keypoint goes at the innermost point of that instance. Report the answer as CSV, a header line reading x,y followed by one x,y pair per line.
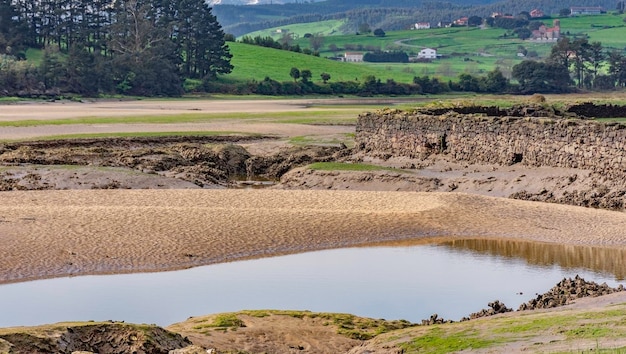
x,y
577,59
132,47
493,82
386,57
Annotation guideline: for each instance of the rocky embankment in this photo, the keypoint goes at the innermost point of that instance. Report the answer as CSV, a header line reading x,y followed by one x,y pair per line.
x,y
103,338
563,293
523,138
567,291
165,162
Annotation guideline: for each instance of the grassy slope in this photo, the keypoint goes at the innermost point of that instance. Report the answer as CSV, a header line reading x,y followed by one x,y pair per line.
x,y
460,46
254,62
566,331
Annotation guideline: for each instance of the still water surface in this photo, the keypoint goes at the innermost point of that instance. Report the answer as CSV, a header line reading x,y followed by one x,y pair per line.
x,y
395,282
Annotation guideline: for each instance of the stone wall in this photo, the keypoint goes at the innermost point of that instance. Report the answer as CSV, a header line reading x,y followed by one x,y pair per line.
x,y
571,143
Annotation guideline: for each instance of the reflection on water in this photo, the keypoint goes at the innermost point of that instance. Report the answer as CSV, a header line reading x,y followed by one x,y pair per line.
x,y
603,260
407,282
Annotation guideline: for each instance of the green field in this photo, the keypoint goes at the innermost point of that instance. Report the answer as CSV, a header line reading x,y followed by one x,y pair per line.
x,y
254,62
322,28
464,50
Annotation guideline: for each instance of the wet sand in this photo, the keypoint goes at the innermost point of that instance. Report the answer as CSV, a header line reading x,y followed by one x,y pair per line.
x,y
74,232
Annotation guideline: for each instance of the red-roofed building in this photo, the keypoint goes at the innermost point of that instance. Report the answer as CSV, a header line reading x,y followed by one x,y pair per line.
x,y
461,21
536,13
545,33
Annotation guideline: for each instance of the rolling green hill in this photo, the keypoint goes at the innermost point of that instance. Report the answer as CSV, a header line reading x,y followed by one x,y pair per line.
x,y
472,50
253,62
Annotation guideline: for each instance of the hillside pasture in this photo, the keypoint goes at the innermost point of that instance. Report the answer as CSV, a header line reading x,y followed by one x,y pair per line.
x,y
254,62
321,28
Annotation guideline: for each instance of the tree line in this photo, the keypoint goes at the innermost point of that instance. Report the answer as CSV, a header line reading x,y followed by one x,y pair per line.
x,y
134,47
303,84
576,62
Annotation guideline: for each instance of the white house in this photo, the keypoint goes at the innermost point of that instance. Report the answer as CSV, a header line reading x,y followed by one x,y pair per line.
x,y
427,53
422,25
353,57
585,10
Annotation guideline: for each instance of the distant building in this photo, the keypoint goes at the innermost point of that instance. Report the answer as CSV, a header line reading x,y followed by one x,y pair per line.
x,y
536,13
427,53
353,57
422,25
547,33
501,15
585,10
443,24
461,21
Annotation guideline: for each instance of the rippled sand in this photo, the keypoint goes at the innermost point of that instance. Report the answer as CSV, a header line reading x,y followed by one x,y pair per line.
x,y
58,233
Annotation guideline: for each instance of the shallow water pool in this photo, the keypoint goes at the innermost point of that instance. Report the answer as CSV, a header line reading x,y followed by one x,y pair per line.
x,y
401,281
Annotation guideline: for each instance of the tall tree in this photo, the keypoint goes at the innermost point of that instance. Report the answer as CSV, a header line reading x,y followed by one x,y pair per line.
x,y
617,67
200,40
144,56
541,77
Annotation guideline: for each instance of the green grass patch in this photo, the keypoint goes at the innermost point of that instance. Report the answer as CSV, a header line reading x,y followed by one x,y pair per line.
x,y
254,62
438,341
222,321
590,331
10,99
525,325
301,117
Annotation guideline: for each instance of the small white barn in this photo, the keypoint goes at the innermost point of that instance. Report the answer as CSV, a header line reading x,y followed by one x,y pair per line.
x,y
427,53
353,57
422,25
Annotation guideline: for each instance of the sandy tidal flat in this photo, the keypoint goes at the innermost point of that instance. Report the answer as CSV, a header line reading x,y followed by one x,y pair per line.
x,y
60,233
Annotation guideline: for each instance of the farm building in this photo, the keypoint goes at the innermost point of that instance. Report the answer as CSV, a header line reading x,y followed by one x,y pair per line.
x,y
353,57
585,10
427,53
545,33
461,21
422,25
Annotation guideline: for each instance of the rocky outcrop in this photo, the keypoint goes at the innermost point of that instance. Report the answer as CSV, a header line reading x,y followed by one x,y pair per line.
x,y
567,291
501,140
591,110
103,338
495,308
435,319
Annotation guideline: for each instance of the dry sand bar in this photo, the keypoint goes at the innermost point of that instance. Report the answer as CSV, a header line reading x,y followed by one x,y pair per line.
x,y
60,233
